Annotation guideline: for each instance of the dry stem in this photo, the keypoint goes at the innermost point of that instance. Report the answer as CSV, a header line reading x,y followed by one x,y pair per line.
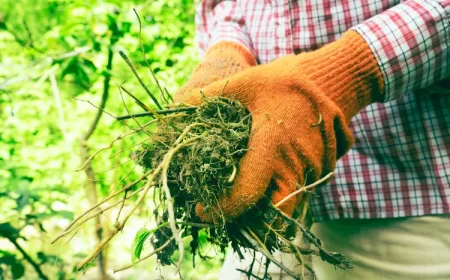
x,y
127,60
304,189
101,203
162,170
139,102
163,167
166,163
261,248
119,225
166,243
87,218
159,112
147,256
120,137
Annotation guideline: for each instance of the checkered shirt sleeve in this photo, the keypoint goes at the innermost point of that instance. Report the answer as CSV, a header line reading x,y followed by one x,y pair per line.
x,y
399,165
412,44
220,21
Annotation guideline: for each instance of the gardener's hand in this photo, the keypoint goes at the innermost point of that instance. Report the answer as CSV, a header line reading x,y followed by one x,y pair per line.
x,y
300,107
221,61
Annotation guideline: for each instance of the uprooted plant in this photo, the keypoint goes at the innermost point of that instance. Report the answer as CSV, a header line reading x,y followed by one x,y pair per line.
x,y
193,157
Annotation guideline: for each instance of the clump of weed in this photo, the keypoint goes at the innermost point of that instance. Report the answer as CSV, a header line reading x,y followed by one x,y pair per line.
x,y
193,157
203,170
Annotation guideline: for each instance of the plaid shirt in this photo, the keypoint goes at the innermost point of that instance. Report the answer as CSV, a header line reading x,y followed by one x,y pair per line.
x,y
399,165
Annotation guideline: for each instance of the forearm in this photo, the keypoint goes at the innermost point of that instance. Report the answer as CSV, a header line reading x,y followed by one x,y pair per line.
x,y
411,43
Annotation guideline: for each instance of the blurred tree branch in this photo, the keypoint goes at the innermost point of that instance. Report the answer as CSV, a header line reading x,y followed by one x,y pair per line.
x,y
91,190
27,257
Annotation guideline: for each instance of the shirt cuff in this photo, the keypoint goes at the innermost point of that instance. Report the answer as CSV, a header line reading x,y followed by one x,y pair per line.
x,y
221,22
411,43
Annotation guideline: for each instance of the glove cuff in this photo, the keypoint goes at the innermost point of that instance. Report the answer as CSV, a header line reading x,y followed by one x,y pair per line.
x,y
238,52
221,61
231,49
347,72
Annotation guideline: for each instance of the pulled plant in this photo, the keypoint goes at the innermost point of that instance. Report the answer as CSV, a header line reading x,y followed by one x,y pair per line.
x,y
193,158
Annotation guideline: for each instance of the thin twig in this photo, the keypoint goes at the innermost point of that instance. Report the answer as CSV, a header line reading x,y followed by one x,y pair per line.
x,y
298,252
304,189
332,258
114,167
148,256
139,102
127,60
121,206
97,107
70,239
93,215
164,97
119,226
159,112
138,161
299,256
170,206
109,197
120,137
126,108
267,254
145,57
168,94
163,166
129,147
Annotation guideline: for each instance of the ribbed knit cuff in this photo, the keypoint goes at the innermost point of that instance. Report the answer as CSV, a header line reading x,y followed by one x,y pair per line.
x,y
347,71
234,49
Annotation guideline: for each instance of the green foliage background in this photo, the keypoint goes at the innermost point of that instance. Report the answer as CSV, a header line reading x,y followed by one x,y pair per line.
x,y
53,55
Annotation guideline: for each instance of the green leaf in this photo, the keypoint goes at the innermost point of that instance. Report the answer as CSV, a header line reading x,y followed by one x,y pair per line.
x,y
65,214
69,66
8,231
89,64
45,258
138,243
7,258
82,76
23,201
79,255
126,27
18,270
41,256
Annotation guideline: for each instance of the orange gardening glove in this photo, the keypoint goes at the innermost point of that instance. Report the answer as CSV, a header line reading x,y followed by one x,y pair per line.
x,y
300,107
221,61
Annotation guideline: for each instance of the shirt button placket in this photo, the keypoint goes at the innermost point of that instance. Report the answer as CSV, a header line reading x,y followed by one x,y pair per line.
x,y
281,28
279,31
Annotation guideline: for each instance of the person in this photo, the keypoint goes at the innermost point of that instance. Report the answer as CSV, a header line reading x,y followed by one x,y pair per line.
x,y
357,87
